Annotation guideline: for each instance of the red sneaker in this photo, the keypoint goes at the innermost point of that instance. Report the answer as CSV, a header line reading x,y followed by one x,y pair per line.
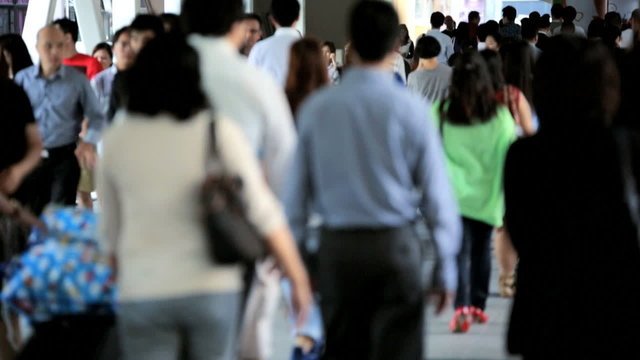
x,y
461,321
478,315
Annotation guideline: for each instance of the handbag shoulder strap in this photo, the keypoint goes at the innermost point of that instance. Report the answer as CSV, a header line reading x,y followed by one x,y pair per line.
x,y
213,163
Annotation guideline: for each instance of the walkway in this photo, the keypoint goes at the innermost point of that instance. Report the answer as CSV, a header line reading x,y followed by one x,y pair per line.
x,y
482,342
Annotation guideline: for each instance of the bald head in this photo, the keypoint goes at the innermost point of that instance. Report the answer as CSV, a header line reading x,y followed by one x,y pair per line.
x,y
50,46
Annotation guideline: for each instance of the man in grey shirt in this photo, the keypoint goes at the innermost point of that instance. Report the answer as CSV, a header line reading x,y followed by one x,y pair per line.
x,y
431,79
61,98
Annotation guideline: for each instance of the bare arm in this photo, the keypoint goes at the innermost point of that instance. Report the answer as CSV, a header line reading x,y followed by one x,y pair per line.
x,y
526,121
285,251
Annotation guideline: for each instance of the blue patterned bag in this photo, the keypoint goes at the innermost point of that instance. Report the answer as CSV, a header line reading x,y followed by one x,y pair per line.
x,y
63,272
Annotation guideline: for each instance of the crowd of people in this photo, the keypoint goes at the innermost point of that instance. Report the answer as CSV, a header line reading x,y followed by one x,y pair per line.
x,y
516,138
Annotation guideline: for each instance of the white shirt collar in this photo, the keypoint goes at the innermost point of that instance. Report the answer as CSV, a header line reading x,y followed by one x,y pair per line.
x,y
287,31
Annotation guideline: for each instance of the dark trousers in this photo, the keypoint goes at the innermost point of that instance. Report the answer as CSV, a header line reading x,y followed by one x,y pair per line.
x,y
474,264
371,294
55,180
80,337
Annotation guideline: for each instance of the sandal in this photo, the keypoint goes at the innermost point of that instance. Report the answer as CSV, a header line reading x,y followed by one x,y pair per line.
x,y
507,285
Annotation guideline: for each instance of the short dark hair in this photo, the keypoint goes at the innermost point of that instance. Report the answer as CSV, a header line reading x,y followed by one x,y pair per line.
x,y
557,11
285,12
252,16
635,14
123,30
529,30
103,46
588,94
210,17
146,22
373,27
569,14
510,13
437,19
473,16
492,26
534,15
610,35
171,23
543,22
595,29
165,78
613,18
68,26
330,45
427,47
483,31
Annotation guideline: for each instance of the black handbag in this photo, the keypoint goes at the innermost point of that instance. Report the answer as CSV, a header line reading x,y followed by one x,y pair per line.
x,y
232,238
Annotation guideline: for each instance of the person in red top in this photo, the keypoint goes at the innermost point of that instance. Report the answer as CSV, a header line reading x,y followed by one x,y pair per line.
x,y
84,63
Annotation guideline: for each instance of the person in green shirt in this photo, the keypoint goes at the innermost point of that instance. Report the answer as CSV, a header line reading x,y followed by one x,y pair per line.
x,y
476,134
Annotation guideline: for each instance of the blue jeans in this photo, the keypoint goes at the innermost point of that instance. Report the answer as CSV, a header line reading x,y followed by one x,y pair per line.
x,y
204,326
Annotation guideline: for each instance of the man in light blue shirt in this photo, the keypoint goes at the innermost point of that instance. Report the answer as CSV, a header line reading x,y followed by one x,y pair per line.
x,y
446,43
61,98
367,159
102,84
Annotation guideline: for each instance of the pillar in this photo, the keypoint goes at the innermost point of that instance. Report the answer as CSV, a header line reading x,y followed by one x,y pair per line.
x,y
39,14
123,12
89,19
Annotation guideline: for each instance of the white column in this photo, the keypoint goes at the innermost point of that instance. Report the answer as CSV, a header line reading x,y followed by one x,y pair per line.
x,y
173,6
89,19
248,6
123,12
302,26
39,14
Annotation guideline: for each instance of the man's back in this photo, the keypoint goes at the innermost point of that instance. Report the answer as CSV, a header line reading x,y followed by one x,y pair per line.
x,y
252,99
364,141
272,54
432,84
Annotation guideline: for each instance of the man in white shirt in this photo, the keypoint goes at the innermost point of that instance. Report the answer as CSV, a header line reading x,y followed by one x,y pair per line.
x,y
254,101
272,54
629,34
446,43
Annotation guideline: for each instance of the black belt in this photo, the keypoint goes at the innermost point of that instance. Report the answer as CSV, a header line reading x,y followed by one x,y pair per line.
x,y
59,150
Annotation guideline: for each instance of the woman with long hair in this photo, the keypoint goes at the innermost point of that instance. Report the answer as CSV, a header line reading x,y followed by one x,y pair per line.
x,y
173,296
468,114
509,95
570,192
517,66
307,71
14,55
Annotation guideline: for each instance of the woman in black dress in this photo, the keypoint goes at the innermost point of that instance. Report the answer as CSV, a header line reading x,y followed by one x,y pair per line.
x,y
579,271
